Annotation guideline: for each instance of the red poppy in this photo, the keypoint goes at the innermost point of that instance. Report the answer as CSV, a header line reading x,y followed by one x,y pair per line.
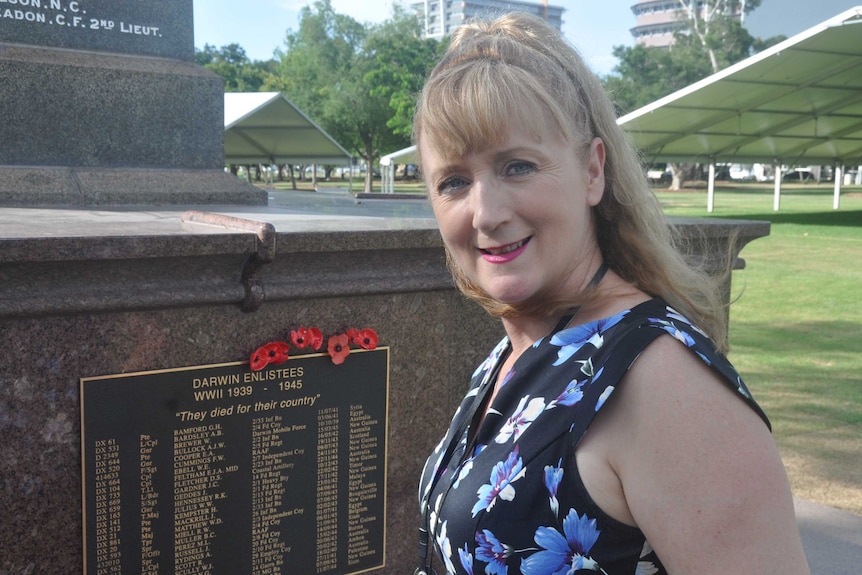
x,y
339,348
315,338
277,352
259,359
366,339
299,337
352,334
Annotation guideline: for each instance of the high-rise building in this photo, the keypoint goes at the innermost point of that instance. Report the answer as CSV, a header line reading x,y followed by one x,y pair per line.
x,y
658,20
441,17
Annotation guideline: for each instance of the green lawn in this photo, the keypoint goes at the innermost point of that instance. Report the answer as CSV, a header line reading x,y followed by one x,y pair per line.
x,y
796,328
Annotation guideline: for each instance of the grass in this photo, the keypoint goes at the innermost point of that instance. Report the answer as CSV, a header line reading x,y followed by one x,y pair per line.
x,y
796,328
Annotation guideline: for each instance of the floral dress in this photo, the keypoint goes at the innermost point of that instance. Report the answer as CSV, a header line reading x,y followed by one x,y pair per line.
x,y
511,502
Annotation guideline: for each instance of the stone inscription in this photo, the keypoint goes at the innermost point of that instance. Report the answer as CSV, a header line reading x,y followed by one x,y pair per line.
x,y
155,27
219,470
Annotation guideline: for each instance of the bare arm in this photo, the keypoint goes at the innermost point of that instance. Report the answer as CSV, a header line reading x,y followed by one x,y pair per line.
x,y
695,469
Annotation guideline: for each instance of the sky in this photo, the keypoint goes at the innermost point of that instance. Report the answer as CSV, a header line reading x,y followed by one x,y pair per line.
x,y
260,26
594,27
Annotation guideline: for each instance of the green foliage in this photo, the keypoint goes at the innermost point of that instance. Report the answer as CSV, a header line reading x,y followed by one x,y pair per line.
x,y
710,39
231,63
401,62
356,81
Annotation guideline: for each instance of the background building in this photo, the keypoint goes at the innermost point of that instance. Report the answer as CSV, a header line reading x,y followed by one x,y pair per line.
x,y
656,22
441,17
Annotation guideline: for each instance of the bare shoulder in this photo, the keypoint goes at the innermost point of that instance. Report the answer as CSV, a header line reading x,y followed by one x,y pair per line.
x,y
698,468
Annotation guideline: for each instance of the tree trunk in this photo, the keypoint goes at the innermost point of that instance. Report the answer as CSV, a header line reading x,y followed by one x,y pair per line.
x,y
677,172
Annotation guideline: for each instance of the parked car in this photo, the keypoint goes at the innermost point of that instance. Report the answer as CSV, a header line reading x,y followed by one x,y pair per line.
x,y
658,173
321,171
358,172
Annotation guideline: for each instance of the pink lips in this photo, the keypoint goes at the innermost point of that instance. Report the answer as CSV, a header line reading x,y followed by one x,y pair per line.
x,y
504,254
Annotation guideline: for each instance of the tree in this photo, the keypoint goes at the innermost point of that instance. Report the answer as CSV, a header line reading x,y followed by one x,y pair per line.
x,y
401,61
231,63
710,38
356,81
712,23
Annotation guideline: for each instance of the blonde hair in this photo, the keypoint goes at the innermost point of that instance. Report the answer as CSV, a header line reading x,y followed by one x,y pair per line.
x,y
517,66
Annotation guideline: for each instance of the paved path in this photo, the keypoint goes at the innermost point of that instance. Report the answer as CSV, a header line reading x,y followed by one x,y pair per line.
x,y
832,538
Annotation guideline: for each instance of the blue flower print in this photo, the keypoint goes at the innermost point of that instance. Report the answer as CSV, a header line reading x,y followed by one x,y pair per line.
x,y
509,375
675,315
492,358
465,470
492,552
587,366
740,386
646,567
468,465
502,476
553,477
521,419
572,339
445,548
678,334
604,397
561,554
571,396
466,559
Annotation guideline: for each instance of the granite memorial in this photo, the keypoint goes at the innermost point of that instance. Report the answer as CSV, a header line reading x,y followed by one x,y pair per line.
x,y
103,104
115,456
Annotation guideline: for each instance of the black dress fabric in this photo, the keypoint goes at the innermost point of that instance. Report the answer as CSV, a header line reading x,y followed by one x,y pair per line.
x,y
505,498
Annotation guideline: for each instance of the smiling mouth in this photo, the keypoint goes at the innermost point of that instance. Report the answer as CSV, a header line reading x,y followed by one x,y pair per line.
x,y
505,249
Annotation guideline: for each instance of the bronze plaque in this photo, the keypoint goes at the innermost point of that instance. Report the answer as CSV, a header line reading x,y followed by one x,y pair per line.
x,y
223,471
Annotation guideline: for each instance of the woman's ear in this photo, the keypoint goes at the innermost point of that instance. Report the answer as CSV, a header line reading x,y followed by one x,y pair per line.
x,y
595,168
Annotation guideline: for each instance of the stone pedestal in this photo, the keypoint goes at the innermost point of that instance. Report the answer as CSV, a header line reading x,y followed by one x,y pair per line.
x,y
85,294
103,104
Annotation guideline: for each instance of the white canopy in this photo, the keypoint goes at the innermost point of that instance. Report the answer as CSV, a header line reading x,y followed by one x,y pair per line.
x,y
267,128
387,166
796,103
799,101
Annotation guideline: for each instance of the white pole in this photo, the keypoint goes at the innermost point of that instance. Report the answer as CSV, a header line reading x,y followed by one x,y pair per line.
x,y
836,199
710,188
776,202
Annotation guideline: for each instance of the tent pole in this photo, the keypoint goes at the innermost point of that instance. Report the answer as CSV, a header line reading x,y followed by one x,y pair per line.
x,y
839,173
710,194
776,201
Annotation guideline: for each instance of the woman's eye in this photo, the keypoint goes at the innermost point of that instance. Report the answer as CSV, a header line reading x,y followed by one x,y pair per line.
x,y
519,168
450,185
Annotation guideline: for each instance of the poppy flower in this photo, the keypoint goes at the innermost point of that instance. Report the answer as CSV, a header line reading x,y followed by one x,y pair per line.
x,y
299,337
366,339
339,348
259,359
315,338
352,334
277,352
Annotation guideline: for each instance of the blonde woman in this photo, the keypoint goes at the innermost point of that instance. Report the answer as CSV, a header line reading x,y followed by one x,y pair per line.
x,y
607,431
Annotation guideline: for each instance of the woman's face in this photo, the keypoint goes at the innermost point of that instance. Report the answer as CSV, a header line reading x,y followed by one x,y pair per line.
x,y
516,217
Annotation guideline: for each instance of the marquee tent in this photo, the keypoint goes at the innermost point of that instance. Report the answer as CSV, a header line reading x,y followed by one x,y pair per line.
x,y
267,128
387,166
796,103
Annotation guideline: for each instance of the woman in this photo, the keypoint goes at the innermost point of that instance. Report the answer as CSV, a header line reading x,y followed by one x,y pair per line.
x,y
606,432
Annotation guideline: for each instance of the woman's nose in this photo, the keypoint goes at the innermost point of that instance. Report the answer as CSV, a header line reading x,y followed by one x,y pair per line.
x,y
490,204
